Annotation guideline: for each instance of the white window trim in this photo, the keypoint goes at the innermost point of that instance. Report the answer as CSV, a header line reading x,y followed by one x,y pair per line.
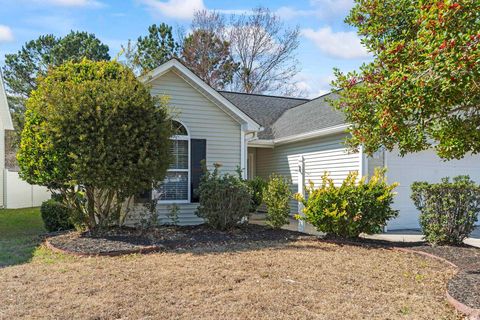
x,y
187,138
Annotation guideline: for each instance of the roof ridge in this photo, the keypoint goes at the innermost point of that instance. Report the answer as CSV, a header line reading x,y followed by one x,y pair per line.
x,y
308,101
265,95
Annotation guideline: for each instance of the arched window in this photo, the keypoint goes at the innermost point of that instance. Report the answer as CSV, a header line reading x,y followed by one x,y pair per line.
x,y
175,187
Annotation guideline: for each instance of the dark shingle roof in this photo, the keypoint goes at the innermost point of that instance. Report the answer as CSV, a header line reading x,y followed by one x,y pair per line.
x,y
283,116
314,115
265,110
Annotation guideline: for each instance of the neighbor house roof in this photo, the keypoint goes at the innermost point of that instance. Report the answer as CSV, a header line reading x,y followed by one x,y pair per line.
x,y
264,109
4,110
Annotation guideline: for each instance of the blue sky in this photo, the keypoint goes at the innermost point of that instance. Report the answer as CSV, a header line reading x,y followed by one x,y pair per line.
x,y
326,42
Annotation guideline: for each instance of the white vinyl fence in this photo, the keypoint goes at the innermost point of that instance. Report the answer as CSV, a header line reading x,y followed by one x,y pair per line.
x,y
20,194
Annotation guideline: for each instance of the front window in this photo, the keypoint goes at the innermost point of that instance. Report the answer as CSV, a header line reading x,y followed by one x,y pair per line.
x,y
175,187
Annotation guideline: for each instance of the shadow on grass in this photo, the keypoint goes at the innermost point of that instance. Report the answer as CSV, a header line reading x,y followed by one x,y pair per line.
x,y
21,232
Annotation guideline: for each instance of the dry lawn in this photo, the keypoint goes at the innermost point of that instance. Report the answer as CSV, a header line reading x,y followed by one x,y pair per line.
x,y
302,280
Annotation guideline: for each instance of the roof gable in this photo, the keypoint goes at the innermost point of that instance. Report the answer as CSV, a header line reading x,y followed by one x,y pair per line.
x,y
206,90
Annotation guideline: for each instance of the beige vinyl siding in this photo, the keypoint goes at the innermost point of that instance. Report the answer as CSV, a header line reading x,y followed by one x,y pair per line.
x,y
204,120
320,155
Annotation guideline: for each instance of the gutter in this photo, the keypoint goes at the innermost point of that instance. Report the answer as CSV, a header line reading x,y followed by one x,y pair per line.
x,y
298,137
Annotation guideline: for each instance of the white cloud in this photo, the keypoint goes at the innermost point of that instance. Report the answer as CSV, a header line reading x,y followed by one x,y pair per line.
x,y
314,85
324,9
6,34
181,9
342,44
333,5
72,3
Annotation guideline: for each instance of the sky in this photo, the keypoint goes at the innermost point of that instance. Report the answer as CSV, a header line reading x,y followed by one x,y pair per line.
x,y
325,42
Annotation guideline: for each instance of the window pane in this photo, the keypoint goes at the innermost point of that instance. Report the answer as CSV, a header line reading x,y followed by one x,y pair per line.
x,y
179,129
180,154
174,187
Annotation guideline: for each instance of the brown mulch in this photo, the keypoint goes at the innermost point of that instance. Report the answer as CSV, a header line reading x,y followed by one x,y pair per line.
x,y
126,240
294,279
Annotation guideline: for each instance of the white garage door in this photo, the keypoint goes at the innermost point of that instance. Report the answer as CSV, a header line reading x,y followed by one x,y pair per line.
x,y
422,166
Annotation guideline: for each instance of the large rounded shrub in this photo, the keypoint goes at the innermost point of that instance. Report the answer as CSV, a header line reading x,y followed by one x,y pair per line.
x,y
94,133
448,210
356,206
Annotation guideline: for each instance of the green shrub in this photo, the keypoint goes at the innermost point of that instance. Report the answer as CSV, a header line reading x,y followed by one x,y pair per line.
x,y
257,185
55,216
449,210
277,196
225,200
352,208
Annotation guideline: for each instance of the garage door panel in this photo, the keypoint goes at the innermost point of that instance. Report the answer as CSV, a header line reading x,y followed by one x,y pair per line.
x,y
422,166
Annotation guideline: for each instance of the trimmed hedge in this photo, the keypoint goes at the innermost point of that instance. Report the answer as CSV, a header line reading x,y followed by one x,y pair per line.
x,y
449,209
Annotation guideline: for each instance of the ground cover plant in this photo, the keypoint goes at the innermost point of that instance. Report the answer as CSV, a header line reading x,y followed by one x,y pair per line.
x,y
449,209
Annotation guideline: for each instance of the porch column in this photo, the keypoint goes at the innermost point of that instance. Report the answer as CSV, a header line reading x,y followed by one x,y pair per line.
x,y
301,190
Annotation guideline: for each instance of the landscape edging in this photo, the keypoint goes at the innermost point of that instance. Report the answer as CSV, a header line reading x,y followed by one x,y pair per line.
x,y
471,313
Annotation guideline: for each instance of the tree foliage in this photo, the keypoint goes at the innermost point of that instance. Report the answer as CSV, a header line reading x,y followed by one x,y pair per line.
x,y
22,69
209,58
422,88
95,133
156,48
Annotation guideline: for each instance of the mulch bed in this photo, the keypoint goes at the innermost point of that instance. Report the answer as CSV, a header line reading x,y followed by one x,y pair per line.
x,y
129,240
465,286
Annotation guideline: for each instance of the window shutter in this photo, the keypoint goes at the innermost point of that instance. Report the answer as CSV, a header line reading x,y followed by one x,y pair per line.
x,y
143,197
198,153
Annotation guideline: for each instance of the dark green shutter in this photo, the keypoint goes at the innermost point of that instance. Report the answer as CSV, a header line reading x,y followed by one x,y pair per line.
x,y
198,151
144,197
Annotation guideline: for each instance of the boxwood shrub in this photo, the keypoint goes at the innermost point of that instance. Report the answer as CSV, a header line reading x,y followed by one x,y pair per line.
x,y
55,216
225,200
257,186
356,206
448,210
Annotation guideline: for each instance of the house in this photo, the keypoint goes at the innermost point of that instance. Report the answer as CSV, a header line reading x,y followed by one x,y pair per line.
x,y
14,192
297,138
5,124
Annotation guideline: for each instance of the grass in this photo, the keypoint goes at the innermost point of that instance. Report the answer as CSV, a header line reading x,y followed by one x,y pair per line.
x,y
20,234
306,279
